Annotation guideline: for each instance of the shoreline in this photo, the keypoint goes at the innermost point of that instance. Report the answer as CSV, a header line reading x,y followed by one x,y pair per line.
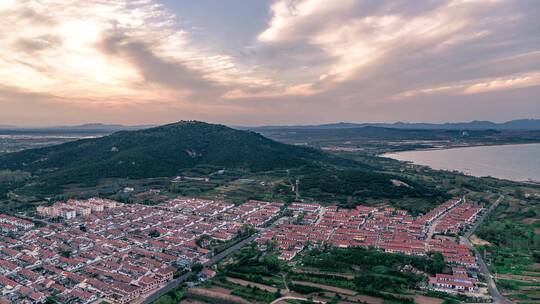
x,y
395,156
458,147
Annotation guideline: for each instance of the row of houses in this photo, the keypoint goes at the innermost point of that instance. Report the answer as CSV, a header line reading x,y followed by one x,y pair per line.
x,y
117,252
389,229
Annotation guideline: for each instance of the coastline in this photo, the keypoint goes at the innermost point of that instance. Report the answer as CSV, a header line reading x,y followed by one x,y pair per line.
x,y
459,147
464,171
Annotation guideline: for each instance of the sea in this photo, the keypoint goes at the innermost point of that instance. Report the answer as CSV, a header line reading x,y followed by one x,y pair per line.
x,y
511,162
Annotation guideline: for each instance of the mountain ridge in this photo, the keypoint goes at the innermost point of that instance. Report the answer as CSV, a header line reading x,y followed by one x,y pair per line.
x,y
518,124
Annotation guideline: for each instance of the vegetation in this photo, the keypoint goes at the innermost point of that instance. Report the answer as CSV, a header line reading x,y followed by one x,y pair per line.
x,y
367,271
217,162
377,140
349,187
172,297
514,243
302,289
255,294
337,259
154,234
377,271
251,264
511,242
156,152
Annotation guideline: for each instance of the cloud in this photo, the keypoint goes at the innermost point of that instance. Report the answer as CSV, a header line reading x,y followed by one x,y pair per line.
x,y
154,69
35,44
313,61
478,86
114,50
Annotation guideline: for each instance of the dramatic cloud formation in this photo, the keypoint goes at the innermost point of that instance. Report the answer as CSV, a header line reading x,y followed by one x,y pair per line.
x,y
300,61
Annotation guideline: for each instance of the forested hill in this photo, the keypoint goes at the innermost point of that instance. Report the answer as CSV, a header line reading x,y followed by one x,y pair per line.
x,y
190,147
162,151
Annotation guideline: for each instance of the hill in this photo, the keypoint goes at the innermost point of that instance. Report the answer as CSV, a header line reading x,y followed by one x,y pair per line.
x,y
164,151
105,164
160,151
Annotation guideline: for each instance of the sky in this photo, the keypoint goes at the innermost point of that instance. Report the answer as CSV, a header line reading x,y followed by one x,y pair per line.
x,y
257,62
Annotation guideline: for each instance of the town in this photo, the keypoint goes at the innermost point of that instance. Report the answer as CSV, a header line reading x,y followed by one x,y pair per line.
x,y
101,250
388,229
105,250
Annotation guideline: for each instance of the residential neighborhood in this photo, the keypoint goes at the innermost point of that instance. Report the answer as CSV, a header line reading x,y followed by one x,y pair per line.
x,y
102,250
105,250
388,229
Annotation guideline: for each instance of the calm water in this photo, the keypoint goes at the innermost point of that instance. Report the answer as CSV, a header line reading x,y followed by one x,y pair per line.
x,y
513,162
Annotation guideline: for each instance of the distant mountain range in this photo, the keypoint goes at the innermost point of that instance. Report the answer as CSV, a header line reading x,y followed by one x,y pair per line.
x,y
85,128
521,124
98,128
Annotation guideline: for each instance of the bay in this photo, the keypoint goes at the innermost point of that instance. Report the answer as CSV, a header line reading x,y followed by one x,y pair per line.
x,y
512,162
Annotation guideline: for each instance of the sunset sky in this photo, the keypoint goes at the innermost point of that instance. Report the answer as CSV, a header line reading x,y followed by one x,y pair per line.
x,y
256,62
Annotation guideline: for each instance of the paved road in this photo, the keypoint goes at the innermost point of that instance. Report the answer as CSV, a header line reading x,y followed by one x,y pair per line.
x,y
431,229
218,257
492,287
33,219
178,281
481,219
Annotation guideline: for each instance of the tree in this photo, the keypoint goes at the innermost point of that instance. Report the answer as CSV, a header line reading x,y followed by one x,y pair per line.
x,y
197,267
154,234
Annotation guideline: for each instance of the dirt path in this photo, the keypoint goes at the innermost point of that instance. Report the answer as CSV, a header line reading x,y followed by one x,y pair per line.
x,y
284,299
249,283
326,287
419,299
287,290
519,277
475,240
214,296
349,276
364,299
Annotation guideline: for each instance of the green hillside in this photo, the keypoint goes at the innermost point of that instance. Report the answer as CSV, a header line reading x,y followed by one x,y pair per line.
x,y
161,151
188,148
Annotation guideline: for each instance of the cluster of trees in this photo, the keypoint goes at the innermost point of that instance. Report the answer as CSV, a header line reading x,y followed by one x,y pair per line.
x,y
378,270
255,294
251,262
339,259
346,186
172,297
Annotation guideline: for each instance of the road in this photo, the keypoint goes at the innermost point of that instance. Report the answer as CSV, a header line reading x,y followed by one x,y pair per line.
x,y
181,279
492,287
433,225
33,219
218,257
